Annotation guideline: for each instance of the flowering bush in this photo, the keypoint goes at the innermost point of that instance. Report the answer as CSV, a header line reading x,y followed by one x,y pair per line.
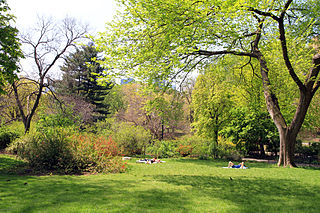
x,y
97,154
61,149
184,150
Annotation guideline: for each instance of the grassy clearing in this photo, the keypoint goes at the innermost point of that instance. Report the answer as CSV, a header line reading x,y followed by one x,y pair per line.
x,y
180,185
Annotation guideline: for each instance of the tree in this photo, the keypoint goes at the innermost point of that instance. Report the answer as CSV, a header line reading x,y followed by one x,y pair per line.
x,y
167,39
47,43
250,130
80,77
10,51
9,110
212,101
156,112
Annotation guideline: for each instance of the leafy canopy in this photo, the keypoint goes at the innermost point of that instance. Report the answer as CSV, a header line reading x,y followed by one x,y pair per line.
x,y
165,39
10,51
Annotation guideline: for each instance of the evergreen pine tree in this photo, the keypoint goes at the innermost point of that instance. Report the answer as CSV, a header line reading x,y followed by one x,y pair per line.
x,y
80,77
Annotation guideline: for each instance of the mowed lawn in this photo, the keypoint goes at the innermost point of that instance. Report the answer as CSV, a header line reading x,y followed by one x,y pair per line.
x,y
179,185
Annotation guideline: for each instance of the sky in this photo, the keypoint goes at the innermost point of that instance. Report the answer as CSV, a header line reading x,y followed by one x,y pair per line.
x,y
95,13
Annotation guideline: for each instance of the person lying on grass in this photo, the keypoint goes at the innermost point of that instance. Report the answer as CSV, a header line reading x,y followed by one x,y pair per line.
x,y
154,160
239,166
150,161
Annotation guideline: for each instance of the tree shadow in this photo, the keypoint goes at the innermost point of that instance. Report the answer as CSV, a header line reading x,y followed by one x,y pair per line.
x,y
52,195
9,165
252,195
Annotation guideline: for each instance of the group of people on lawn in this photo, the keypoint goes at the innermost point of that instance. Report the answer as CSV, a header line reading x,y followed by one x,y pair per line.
x,y
230,164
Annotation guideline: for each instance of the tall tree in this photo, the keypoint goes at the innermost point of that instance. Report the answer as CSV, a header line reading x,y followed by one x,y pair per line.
x,y
10,51
168,38
45,45
80,77
212,101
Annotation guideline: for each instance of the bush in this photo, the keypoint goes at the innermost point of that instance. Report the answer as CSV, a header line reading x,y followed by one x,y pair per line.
x,y
310,150
9,133
45,150
59,148
97,154
133,140
163,149
200,147
227,149
6,138
62,118
184,150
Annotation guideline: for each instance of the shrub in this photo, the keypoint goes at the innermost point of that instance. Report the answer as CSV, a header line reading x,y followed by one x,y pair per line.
x,y
97,154
133,140
200,146
227,149
184,150
9,133
62,118
6,138
309,151
45,150
163,149
61,149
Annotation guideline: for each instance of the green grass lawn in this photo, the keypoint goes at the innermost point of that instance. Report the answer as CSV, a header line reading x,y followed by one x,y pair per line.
x,y
179,185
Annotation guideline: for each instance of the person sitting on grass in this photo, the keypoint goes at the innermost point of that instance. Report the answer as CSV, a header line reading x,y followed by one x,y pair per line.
x,y
239,166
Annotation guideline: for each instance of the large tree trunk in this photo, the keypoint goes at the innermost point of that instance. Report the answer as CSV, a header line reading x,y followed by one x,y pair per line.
x,y
287,144
288,134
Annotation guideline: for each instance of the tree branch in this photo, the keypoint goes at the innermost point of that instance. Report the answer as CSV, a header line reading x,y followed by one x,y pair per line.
x,y
223,52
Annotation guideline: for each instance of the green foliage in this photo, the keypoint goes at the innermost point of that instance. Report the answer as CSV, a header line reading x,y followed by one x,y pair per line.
x,y
115,100
167,39
6,138
132,139
10,51
167,106
250,130
199,145
64,117
211,101
80,77
61,149
8,133
310,150
163,149
159,38
227,149
46,150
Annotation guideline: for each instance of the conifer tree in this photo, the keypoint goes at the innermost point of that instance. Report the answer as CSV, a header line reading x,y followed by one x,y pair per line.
x,y
80,75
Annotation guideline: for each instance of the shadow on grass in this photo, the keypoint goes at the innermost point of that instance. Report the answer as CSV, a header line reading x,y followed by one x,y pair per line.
x,y
10,165
252,195
155,193
69,194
